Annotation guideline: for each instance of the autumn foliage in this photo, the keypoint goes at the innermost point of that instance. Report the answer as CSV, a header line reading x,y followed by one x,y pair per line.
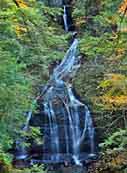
x,y
21,3
123,7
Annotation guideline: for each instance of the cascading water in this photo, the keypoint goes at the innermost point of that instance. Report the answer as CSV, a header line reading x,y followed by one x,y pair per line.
x,y
58,97
29,114
53,128
65,17
67,128
20,147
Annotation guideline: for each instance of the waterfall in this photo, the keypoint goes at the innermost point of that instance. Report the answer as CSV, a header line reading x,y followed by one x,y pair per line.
x,y
59,92
88,126
53,129
20,147
67,123
65,19
29,114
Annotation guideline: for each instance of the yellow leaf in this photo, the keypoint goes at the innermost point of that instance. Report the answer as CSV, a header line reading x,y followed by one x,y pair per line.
x,y
22,4
123,7
20,30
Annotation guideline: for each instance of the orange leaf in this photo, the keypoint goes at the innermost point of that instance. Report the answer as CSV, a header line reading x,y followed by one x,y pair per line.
x,y
123,7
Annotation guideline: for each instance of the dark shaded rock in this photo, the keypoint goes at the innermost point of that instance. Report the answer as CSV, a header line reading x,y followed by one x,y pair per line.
x,y
67,169
56,3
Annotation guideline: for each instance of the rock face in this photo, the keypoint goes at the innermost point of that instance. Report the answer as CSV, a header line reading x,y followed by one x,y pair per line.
x,y
66,123
65,4
57,3
69,169
65,135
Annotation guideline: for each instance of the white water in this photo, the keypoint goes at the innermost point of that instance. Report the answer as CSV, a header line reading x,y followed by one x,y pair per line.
x,y
53,130
59,82
69,65
20,143
59,90
88,126
29,114
65,19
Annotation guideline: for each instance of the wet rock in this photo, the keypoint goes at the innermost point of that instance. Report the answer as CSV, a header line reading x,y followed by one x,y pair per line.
x,y
68,169
57,3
